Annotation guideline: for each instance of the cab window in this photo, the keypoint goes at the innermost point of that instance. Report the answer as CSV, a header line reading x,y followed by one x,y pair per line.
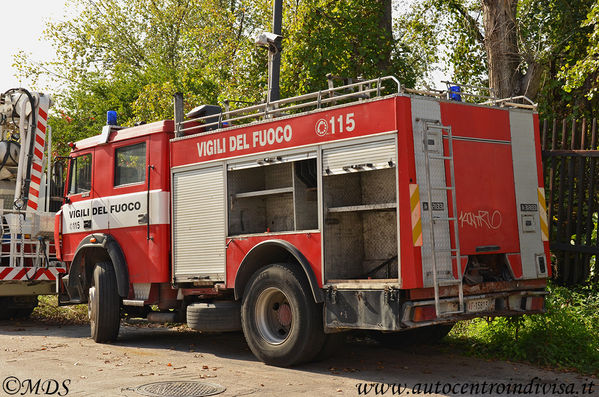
x,y
81,174
130,164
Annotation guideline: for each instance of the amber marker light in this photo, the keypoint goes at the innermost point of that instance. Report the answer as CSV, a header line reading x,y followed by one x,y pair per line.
x,y
424,313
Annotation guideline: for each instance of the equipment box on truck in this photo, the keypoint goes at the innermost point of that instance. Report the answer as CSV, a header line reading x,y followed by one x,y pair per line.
x,y
300,218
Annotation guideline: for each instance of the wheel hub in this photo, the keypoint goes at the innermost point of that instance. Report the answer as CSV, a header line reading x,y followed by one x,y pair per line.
x,y
91,308
284,314
274,316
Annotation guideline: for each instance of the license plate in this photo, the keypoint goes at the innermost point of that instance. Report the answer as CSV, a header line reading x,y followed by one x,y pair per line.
x,y
480,305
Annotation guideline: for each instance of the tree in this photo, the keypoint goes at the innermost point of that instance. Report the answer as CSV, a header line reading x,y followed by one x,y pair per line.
x,y
346,38
516,47
584,74
132,56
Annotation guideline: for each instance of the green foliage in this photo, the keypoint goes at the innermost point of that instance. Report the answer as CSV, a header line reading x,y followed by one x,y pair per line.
x,y
132,56
446,37
552,35
566,337
346,38
50,313
585,72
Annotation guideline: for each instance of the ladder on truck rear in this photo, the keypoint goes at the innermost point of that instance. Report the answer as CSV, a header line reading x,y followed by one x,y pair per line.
x,y
449,187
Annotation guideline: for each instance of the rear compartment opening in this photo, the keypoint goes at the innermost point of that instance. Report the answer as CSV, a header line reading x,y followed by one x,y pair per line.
x,y
487,268
272,198
360,225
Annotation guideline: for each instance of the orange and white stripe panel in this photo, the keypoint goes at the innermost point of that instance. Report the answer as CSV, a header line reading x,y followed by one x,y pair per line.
x,y
30,273
543,214
416,215
38,153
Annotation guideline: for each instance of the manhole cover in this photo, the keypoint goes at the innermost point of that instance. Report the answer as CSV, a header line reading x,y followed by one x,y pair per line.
x,y
180,389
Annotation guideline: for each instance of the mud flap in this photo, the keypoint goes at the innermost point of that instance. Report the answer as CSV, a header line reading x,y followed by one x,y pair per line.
x,y
363,309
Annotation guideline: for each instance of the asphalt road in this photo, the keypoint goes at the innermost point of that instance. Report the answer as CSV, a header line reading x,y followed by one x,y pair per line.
x,y
67,362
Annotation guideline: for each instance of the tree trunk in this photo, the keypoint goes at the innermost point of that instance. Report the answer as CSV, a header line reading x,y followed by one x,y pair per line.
x,y
386,25
501,43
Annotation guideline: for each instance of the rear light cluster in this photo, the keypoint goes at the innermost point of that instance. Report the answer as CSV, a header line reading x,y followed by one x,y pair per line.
x,y
424,313
536,303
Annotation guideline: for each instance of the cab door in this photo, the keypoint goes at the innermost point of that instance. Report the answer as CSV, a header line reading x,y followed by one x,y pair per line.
x,y
77,210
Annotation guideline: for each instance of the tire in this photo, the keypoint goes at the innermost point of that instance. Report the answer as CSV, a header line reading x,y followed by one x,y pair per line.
x,y
281,322
104,304
414,337
332,344
218,316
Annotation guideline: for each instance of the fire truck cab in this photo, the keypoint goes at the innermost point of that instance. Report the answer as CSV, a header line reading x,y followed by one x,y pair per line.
x,y
350,208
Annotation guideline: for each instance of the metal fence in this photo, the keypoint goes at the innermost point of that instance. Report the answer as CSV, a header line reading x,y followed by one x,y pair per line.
x,y
571,177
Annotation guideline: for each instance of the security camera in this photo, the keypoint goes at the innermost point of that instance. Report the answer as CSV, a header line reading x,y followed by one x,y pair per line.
x,y
266,39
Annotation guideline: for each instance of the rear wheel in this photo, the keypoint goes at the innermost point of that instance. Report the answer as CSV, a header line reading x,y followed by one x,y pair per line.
x,y
332,344
281,322
104,304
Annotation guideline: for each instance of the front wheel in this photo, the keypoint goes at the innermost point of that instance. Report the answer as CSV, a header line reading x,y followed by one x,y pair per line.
x,y
104,304
281,322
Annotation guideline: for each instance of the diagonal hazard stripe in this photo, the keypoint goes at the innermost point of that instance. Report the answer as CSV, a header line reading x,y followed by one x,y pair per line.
x,y
414,196
5,272
542,202
417,233
43,113
416,215
543,214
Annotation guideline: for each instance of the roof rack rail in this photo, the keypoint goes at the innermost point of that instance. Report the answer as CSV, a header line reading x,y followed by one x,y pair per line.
x,y
527,103
490,99
348,93
353,91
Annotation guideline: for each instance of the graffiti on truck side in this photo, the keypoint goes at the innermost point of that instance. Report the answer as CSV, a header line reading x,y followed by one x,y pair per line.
x,y
481,219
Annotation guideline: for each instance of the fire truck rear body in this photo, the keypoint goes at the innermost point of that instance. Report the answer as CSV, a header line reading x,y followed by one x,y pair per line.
x,y
343,195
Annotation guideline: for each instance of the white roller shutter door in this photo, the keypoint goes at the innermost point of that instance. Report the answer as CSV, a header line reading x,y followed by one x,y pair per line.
x,y
199,224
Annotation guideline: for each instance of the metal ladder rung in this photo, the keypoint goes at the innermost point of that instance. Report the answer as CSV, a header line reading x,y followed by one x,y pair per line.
x,y
437,126
438,157
444,219
451,216
448,282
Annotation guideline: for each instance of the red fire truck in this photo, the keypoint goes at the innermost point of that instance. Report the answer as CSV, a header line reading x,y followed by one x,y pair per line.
x,y
348,208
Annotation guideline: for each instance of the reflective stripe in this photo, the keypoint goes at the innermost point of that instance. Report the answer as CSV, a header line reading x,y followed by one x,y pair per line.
x,y
38,152
543,214
416,215
30,273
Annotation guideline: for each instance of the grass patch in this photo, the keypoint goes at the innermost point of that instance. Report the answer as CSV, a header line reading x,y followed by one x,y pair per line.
x,y
49,312
566,337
